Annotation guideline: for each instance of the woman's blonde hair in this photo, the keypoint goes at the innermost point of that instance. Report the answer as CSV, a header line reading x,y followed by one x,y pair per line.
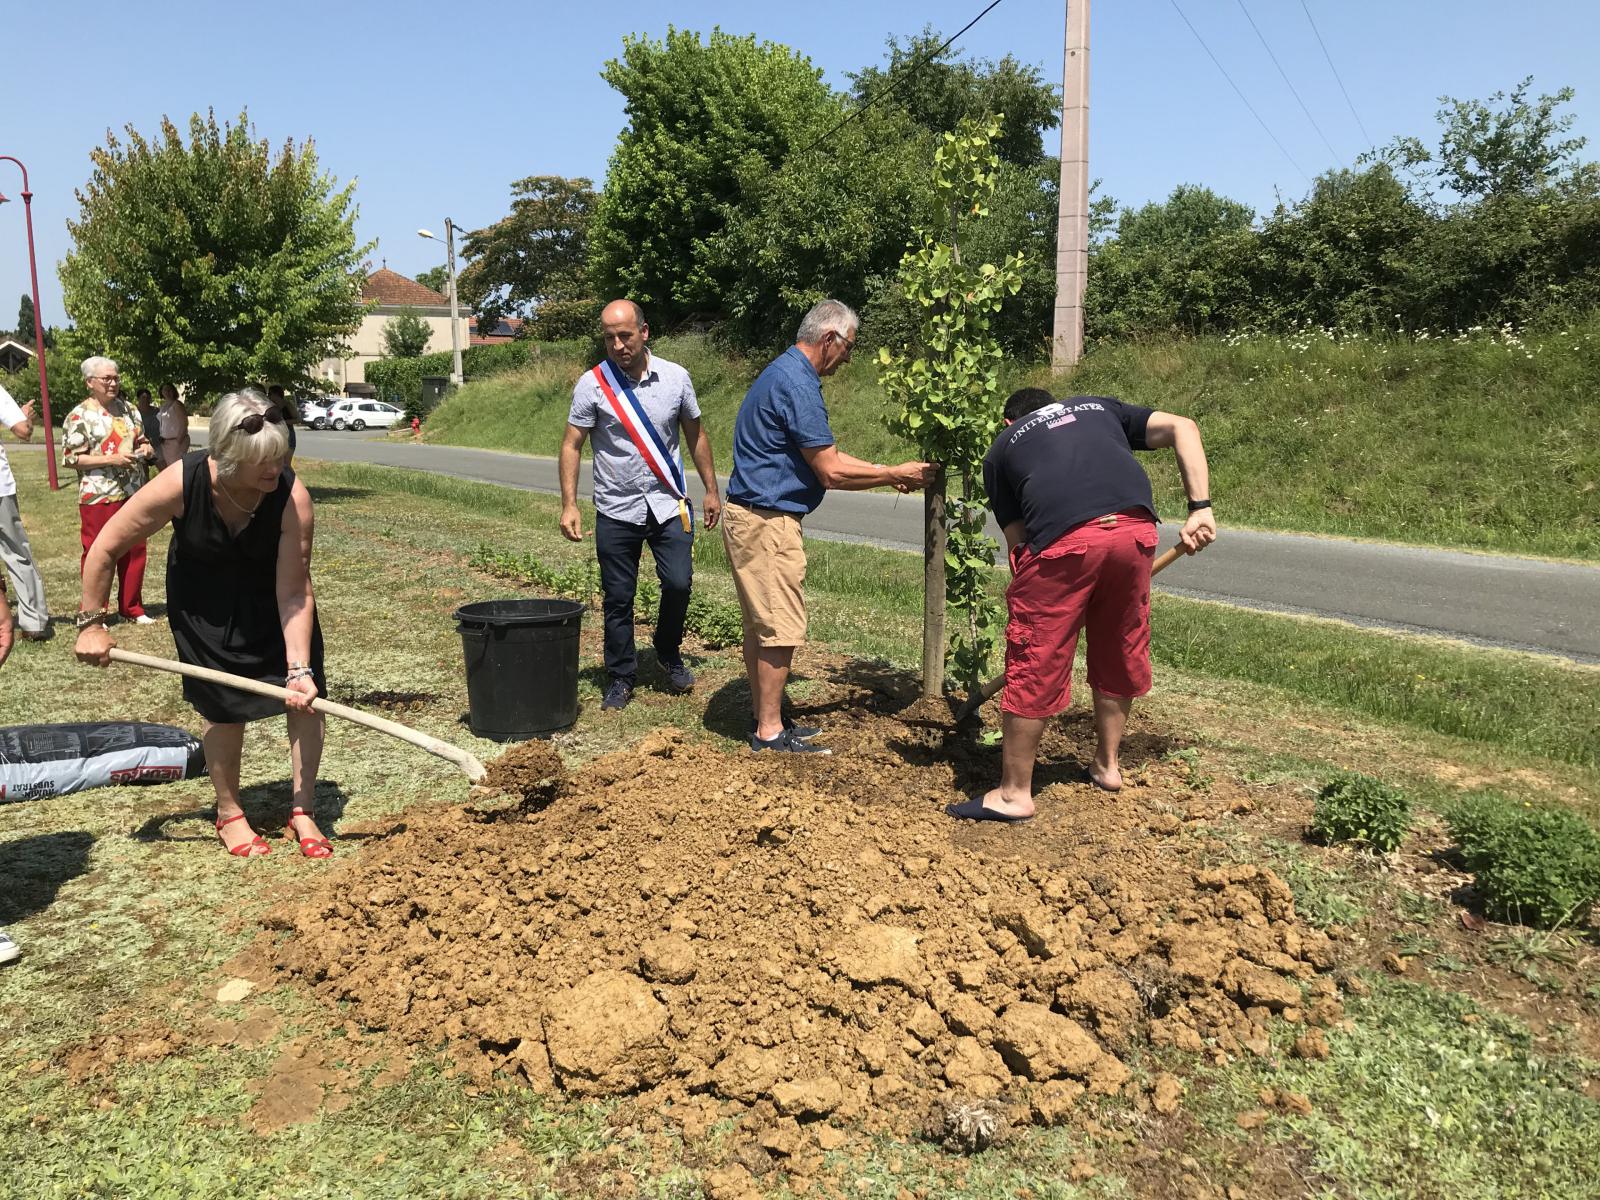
x,y
231,447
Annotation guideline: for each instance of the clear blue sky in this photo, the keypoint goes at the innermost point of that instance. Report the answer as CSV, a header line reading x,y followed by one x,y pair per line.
x,y
436,108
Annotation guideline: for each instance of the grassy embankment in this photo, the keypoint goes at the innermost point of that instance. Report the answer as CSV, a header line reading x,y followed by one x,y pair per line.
x,y
128,911
1489,441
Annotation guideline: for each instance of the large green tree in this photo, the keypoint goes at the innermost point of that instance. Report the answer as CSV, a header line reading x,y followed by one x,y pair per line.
x,y
536,255
701,112
215,261
832,220
938,89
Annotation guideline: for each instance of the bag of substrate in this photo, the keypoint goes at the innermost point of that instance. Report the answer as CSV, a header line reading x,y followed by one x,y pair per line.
x,y
38,761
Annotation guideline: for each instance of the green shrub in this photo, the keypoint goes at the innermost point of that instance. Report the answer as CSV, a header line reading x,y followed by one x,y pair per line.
x,y
400,379
717,623
1357,808
1539,866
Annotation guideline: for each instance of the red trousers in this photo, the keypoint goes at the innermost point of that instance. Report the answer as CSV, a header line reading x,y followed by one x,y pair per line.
x,y
92,519
1092,577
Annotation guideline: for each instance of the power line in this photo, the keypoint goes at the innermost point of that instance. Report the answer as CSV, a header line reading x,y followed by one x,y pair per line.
x,y
1336,77
889,91
1243,99
1285,75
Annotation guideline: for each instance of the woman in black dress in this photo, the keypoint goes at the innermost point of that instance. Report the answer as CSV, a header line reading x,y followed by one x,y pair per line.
x,y
238,599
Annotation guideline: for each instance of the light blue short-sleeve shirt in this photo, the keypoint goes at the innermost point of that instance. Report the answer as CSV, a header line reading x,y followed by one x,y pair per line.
x,y
625,489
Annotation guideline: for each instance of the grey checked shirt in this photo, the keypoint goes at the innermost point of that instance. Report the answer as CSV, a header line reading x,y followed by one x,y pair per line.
x,y
625,489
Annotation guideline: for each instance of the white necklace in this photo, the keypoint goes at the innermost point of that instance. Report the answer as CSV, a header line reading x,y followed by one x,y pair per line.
x,y
227,495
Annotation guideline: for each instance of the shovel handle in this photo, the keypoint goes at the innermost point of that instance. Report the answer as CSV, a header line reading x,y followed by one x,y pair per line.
x,y
988,691
469,764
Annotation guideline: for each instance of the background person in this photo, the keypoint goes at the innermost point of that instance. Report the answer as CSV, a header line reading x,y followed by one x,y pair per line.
x,y
637,505
288,410
1080,526
33,618
239,600
104,442
150,422
173,422
8,948
784,460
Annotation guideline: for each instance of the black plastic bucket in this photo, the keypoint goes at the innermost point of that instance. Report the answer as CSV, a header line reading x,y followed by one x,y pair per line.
x,y
522,666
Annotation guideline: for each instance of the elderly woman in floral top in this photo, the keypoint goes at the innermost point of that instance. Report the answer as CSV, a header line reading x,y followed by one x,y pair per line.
x,y
105,443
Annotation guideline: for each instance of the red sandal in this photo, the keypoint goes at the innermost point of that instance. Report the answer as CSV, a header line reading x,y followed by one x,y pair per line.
x,y
254,848
311,847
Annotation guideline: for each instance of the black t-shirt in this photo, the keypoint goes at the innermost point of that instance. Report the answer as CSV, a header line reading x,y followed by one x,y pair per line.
x,y
1067,463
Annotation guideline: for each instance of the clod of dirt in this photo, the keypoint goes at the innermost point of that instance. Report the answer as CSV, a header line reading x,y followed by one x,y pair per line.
x,y
532,770
968,1126
646,935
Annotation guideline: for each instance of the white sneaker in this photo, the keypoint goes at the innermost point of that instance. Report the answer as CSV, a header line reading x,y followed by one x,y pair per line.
x,y
144,619
8,948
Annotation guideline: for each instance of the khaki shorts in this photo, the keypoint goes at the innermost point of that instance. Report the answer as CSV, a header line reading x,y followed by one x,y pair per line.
x,y
768,559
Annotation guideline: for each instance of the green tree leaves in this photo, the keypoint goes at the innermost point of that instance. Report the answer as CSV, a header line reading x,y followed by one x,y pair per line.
x,y
702,114
945,382
405,335
215,262
537,254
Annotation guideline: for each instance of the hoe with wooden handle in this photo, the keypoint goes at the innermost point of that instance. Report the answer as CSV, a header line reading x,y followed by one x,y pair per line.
x,y
470,766
988,690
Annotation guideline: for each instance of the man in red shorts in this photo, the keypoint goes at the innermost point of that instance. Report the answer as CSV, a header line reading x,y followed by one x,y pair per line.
x,y
1080,526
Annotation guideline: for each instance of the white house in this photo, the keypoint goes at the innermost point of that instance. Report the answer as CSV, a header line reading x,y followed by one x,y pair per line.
x,y
390,293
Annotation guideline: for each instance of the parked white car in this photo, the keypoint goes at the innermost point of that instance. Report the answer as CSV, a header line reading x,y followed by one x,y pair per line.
x,y
314,410
364,414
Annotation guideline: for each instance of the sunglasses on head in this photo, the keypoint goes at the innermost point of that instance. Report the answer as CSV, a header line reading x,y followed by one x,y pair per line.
x,y
254,422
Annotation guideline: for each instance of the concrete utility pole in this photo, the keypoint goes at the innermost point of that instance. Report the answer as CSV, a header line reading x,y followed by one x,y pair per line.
x,y
455,314
1072,220
455,311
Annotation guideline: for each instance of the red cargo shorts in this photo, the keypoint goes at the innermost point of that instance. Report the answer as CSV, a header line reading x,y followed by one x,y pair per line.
x,y
1092,577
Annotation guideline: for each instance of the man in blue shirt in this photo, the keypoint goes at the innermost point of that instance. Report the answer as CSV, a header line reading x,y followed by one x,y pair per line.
x,y
784,461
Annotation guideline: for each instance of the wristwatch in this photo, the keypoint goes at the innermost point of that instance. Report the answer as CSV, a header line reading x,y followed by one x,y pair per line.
x,y
1197,505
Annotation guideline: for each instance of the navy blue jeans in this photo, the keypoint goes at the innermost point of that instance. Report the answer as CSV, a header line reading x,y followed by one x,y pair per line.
x,y
617,545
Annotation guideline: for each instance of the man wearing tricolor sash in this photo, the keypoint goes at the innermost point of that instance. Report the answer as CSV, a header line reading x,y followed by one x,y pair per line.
x,y
635,405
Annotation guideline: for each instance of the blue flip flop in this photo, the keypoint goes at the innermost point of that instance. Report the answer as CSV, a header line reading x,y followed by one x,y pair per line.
x,y
972,809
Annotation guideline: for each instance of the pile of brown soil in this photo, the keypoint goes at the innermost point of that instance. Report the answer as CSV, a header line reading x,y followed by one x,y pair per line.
x,y
530,770
811,942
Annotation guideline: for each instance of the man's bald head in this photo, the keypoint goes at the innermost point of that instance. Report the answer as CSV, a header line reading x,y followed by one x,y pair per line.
x,y
619,310
623,328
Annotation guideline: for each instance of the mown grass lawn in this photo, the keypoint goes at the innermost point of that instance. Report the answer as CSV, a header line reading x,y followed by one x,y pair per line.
x,y
131,918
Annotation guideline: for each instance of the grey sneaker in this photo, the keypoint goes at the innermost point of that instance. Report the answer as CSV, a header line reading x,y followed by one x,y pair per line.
x,y
617,695
8,948
789,742
679,678
803,732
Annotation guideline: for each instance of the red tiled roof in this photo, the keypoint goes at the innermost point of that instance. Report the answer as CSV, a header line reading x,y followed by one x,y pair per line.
x,y
391,287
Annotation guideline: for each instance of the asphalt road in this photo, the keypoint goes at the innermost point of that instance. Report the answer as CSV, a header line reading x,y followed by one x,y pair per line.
x,y
1493,600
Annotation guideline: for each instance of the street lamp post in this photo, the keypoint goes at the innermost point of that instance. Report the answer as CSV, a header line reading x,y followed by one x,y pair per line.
x,y
38,326
455,314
